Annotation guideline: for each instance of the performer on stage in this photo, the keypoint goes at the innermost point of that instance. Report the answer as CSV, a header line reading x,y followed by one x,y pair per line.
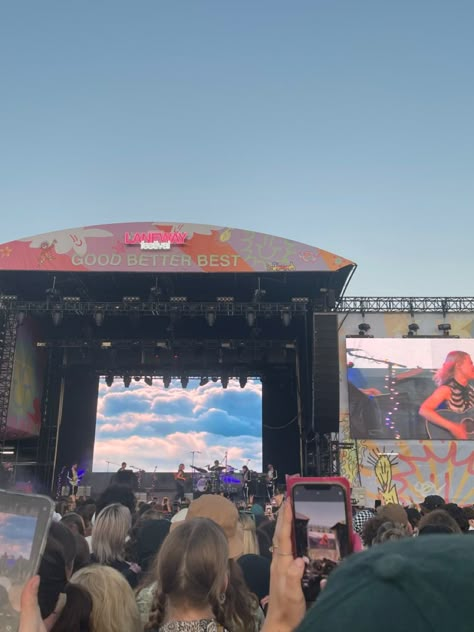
x,y
454,393
246,484
271,479
73,480
122,467
180,477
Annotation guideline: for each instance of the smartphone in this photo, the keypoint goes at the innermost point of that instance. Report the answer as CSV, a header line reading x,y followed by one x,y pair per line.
x,y
322,526
24,525
269,510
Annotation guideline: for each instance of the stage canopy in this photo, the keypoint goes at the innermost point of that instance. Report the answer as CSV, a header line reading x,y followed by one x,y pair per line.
x,y
179,256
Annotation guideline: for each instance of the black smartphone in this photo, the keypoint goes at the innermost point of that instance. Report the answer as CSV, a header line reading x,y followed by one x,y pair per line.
x,y
322,528
24,525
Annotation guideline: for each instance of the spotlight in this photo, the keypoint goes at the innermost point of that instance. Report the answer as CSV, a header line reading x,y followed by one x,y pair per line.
x,y
211,317
214,379
363,329
251,317
412,329
225,381
166,381
57,317
242,381
204,381
286,317
109,379
445,328
137,378
127,380
149,380
184,381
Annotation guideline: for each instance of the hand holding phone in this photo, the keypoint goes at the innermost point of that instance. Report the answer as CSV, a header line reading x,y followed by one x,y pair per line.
x,y
24,525
322,526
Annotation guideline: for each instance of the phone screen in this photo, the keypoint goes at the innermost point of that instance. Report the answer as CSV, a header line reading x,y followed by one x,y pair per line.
x,y
24,524
320,529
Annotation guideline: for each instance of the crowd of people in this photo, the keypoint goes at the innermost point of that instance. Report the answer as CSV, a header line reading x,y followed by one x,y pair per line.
x,y
213,565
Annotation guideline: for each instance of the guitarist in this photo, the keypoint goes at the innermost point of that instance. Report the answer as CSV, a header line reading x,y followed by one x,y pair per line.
x,y
73,480
180,477
454,393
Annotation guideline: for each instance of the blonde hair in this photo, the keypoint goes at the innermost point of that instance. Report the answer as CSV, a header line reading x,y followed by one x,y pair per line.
x,y
113,603
109,533
191,568
446,372
250,534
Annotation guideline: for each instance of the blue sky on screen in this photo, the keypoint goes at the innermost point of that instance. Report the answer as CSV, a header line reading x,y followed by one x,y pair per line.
x,y
150,426
16,535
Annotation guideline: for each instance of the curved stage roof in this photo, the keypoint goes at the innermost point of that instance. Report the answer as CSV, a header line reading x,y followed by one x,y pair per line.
x,y
162,249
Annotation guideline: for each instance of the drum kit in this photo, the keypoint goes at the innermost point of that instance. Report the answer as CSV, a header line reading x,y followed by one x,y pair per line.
x,y
216,479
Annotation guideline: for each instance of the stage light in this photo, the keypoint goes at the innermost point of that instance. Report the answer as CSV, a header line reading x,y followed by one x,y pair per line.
x,y
286,317
105,344
363,329
20,318
131,299
445,328
242,381
178,299
184,381
71,299
214,379
225,381
412,329
204,381
41,344
225,299
127,380
149,380
211,317
109,379
99,318
137,378
251,317
300,299
166,381
57,317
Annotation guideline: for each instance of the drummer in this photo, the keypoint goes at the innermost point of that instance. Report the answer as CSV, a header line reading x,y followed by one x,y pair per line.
x,y
216,469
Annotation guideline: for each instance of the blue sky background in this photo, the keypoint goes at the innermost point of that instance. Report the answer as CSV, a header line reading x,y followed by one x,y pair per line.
x,y
346,125
16,535
150,426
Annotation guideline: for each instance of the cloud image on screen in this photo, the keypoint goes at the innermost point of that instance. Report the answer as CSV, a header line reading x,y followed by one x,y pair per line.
x,y
16,535
155,427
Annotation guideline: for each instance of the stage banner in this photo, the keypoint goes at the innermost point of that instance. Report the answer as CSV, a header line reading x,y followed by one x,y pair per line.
x,y
164,247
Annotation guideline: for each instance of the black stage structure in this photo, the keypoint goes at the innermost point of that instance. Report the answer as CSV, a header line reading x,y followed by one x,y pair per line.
x,y
276,323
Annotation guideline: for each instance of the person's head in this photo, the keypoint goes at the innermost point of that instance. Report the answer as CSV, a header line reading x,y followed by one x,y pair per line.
x,y
74,466
389,531
75,616
121,494
250,533
370,529
216,462
392,512
74,522
83,554
269,466
150,537
256,571
181,466
414,517
426,583
245,468
224,513
456,512
457,364
361,518
113,603
124,465
110,532
55,567
191,570
431,502
469,513
438,521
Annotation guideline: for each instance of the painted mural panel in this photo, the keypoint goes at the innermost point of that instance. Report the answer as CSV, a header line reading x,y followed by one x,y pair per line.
x,y
404,470
24,412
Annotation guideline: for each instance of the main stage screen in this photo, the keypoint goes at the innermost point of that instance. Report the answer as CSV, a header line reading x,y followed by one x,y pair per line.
x,y
152,427
390,379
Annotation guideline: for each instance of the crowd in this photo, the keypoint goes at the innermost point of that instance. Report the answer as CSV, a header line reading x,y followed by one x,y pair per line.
x,y
215,566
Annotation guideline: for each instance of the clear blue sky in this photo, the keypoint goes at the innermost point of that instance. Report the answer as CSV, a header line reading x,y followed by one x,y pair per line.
x,y
345,124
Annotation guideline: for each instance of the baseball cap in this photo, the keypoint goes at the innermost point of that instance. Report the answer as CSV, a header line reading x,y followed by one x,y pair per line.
x,y
432,502
224,513
393,513
427,582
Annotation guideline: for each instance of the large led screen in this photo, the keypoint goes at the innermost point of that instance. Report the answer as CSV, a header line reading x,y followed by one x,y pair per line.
x,y
409,388
155,428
